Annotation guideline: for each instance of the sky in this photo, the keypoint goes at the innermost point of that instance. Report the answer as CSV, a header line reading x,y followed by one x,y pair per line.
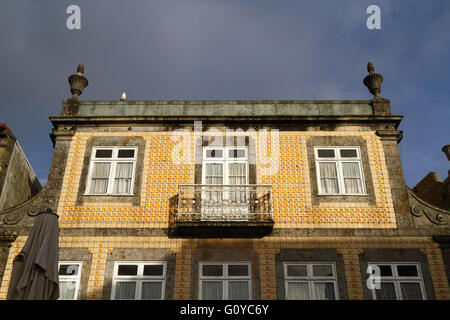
x,y
229,50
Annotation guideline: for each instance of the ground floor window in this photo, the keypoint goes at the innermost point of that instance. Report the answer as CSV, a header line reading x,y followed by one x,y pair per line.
x,y
398,281
69,273
310,281
139,280
225,281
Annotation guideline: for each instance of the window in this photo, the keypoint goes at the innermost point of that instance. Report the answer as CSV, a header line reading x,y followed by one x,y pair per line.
x,y
339,170
399,281
225,281
225,165
139,280
310,281
69,279
111,170
224,176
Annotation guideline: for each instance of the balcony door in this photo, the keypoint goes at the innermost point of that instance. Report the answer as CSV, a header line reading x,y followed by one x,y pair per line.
x,y
224,179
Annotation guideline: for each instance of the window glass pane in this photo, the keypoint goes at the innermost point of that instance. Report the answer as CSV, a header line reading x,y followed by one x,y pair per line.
x,y
235,270
100,175
67,290
411,291
324,291
350,170
126,153
153,270
298,291
151,290
296,270
214,153
125,290
328,169
212,270
101,170
127,270
407,271
325,153
349,153
237,173
386,292
214,173
68,269
352,177
328,177
101,153
124,173
238,290
236,153
385,270
322,270
212,290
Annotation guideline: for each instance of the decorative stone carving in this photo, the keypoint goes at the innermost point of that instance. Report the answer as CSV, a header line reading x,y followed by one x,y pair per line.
x,y
78,82
436,218
420,208
13,217
373,80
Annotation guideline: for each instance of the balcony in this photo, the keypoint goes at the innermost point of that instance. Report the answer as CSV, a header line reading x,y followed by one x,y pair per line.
x,y
224,210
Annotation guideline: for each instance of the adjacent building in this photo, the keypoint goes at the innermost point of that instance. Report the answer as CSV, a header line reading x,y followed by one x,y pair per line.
x,y
251,199
18,182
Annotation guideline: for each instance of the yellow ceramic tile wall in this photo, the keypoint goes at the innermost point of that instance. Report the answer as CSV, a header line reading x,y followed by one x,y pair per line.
x,y
266,248
288,174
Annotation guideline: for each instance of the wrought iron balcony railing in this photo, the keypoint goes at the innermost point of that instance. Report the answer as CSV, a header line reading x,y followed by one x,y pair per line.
x,y
224,203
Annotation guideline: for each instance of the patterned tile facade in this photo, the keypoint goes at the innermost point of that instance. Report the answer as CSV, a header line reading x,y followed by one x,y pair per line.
x,y
350,247
288,174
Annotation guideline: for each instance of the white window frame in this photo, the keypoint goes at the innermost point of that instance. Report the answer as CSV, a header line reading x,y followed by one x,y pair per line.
x,y
338,160
397,280
139,278
225,160
310,278
225,279
112,170
68,278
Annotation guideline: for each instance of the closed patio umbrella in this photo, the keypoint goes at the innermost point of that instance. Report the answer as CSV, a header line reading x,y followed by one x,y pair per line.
x,y
35,268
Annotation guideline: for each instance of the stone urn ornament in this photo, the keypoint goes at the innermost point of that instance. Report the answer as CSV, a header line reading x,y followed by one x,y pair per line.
x,y
373,80
78,82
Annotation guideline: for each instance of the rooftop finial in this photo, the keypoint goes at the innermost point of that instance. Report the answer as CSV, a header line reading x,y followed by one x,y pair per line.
x,y
446,150
370,67
80,68
373,80
78,82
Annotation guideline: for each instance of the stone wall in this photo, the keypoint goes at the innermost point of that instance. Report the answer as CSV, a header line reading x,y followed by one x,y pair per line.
x,y
18,182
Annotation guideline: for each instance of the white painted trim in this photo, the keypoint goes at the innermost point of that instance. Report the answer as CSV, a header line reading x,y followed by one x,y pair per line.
x,y
310,279
225,278
225,161
76,278
339,160
397,280
113,161
139,278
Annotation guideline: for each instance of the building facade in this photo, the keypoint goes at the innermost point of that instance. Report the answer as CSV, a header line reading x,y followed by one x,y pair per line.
x,y
432,189
18,182
233,200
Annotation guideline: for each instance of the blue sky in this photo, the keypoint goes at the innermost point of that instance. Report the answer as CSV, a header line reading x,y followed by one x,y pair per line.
x,y
226,50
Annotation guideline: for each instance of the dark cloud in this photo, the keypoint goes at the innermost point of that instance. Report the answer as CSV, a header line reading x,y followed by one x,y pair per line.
x,y
232,49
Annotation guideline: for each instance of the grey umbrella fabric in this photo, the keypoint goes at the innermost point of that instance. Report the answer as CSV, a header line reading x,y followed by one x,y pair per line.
x,y
35,268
